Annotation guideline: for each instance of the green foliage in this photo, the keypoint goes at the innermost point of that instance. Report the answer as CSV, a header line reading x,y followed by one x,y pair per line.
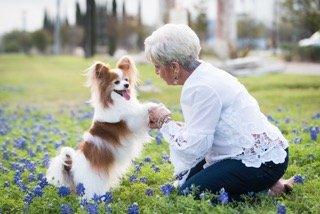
x,y
41,39
54,85
304,16
306,53
250,28
17,41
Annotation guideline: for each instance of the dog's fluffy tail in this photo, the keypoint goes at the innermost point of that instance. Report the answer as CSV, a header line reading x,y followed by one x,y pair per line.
x,y
59,171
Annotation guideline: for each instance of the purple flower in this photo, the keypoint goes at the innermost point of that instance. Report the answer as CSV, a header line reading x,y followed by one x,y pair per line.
x,y
223,197
143,180
137,167
92,208
298,179
107,198
38,191
133,178
149,192
42,181
20,143
159,138
65,209
166,158
281,209
63,191
80,190
147,159
133,208
31,177
96,198
166,189
155,168
313,133
28,199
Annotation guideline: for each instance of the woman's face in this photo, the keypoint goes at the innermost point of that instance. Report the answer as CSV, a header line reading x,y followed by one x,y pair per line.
x,y
165,73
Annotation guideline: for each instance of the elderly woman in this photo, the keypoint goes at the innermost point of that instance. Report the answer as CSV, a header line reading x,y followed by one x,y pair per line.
x,y
225,142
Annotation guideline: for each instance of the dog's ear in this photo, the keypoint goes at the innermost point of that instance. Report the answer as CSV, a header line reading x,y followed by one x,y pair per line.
x,y
127,64
100,69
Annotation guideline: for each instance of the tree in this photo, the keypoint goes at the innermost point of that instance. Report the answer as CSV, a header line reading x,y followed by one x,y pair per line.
x,y
112,30
140,28
47,22
249,28
304,16
79,16
17,41
90,29
40,39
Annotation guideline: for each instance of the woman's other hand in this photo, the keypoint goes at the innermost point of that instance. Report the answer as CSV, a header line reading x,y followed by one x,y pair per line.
x,y
158,115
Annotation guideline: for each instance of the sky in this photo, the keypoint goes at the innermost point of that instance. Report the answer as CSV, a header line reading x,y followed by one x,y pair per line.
x,y
13,11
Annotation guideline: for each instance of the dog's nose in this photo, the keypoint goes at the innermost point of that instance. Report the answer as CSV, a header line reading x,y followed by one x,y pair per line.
x,y
126,85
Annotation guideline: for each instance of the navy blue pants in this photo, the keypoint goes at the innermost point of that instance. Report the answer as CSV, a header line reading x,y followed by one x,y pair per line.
x,y
234,177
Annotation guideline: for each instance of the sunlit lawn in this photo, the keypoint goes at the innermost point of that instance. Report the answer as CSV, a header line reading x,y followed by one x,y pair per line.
x,y
42,107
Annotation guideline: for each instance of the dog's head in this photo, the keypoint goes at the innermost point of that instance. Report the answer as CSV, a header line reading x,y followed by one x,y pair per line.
x,y
108,85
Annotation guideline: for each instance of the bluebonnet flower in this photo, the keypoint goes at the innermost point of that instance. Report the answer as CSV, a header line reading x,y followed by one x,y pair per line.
x,y
107,198
298,179
166,189
46,160
31,153
6,184
155,168
166,158
20,143
159,138
65,209
42,182
137,167
133,208
133,178
223,197
83,202
80,190
287,120
313,133
29,165
316,116
28,199
31,177
143,180
92,208
149,192
297,140
38,191
63,191
147,159
281,209
96,198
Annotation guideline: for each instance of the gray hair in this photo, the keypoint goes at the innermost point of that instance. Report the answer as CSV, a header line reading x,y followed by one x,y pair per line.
x,y
173,43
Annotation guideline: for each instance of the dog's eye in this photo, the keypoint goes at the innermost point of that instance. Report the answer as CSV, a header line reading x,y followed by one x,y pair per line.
x,y
117,82
126,79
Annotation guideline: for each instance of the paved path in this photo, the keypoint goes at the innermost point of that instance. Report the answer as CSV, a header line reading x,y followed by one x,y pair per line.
x,y
302,68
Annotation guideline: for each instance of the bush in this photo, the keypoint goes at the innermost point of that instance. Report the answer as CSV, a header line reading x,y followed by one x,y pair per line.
x,y
295,52
17,41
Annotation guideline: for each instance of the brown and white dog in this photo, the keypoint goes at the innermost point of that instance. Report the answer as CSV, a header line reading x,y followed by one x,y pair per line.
x,y
116,136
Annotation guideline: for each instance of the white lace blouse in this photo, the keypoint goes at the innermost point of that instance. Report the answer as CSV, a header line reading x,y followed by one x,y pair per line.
x,y
222,120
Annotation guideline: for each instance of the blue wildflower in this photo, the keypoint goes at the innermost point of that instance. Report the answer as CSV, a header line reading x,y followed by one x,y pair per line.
x,y
63,191
28,199
31,177
316,116
298,179
20,143
149,192
223,197
143,180
65,209
166,189
80,190
137,167
21,185
96,198
155,168
133,208
166,158
107,198
133,178
38,191
43,182
6,184
313,133
159,138
147,159
281,209
92,208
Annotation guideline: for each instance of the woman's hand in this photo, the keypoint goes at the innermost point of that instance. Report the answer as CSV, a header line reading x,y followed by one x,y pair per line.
x,y
158,115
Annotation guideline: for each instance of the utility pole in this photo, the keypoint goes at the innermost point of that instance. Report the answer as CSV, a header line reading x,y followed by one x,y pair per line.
x,y
56,47
24,20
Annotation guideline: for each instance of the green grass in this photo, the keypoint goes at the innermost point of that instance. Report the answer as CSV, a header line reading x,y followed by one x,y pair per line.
x,y
49,92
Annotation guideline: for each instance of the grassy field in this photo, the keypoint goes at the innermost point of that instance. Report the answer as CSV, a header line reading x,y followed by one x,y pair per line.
x,y
42,107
